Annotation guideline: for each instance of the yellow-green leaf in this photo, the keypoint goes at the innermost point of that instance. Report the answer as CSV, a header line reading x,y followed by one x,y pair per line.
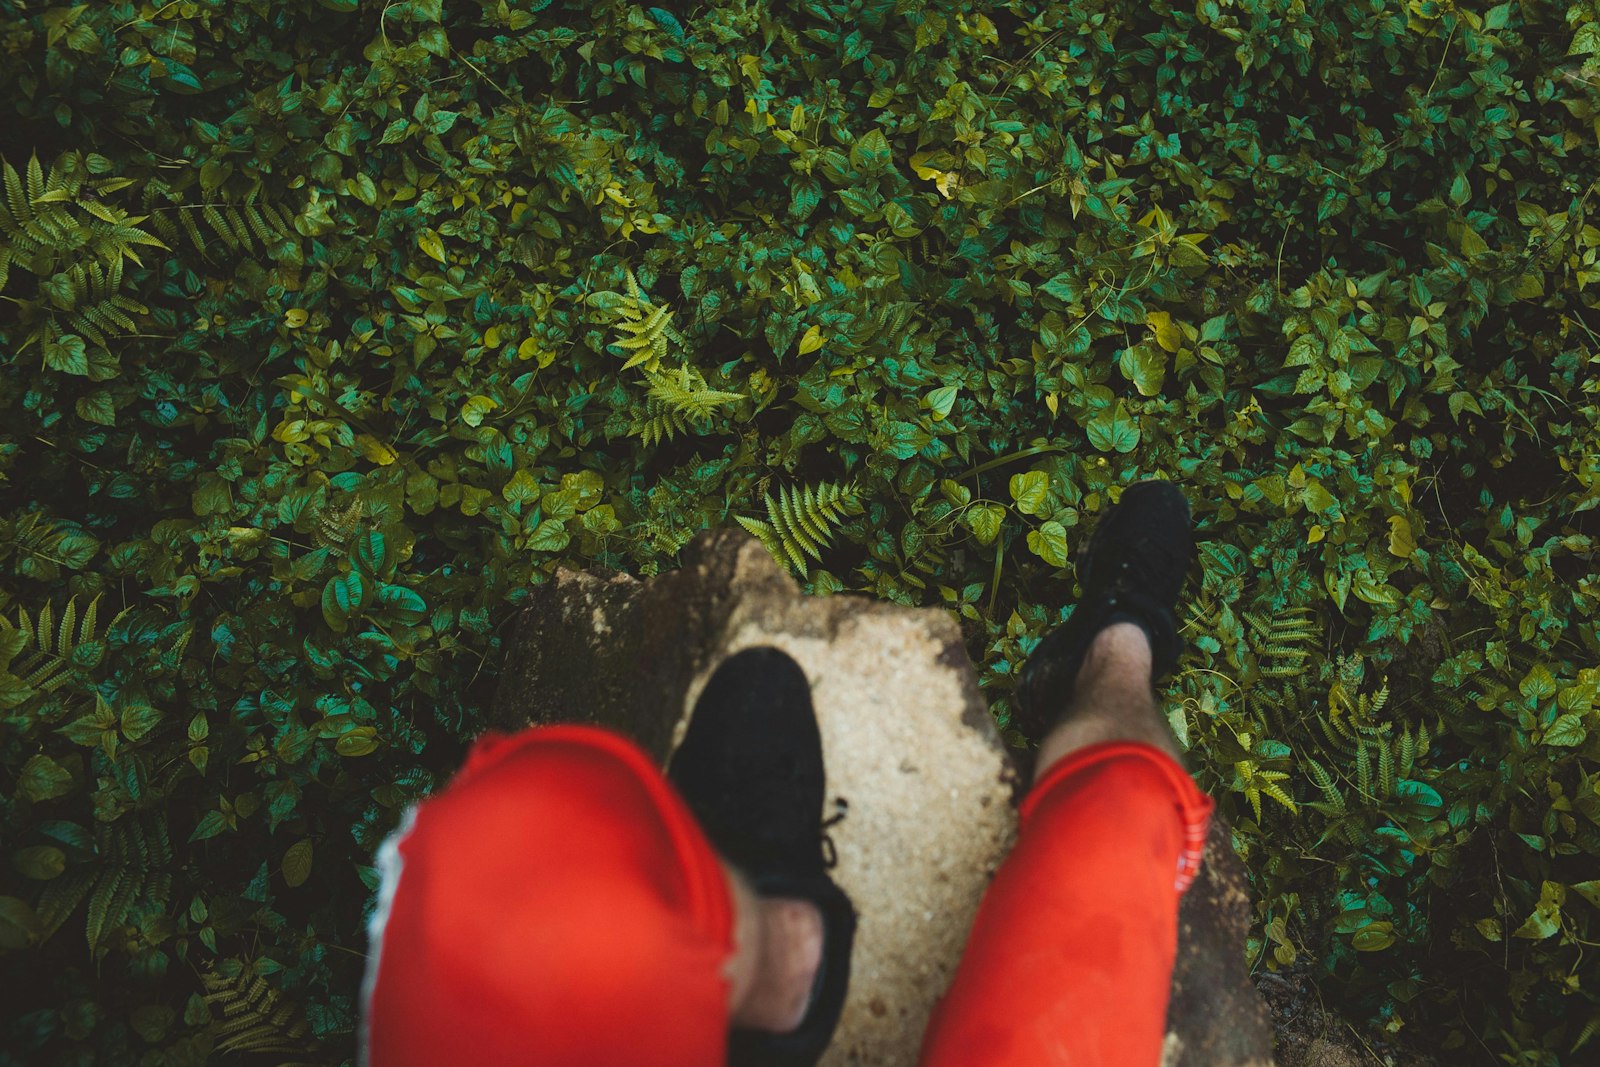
x,y
811,340
358,742
1401,540
431,244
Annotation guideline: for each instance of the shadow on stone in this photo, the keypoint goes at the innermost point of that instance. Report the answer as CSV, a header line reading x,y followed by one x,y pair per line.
x,y
912,754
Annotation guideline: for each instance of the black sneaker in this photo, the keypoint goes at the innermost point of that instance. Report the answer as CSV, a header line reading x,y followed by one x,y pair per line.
x,y
1132,571
751,770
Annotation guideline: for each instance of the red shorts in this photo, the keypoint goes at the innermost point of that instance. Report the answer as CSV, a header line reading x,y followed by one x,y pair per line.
x,y
556,904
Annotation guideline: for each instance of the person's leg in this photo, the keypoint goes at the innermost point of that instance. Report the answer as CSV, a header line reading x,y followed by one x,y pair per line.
x,y
558,903
777,949
1070,957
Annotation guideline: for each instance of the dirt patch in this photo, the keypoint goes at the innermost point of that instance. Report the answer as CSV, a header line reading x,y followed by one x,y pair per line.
x,y
1306,1034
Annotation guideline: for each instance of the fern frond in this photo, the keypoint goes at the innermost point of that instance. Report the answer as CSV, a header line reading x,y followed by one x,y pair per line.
x,y
1585,1035
647,328
136,857
1386,776
800,521
255,1017
685,391
60,899
58,222
1324,783
1276,792
335,527
1284,639
45,662
677,402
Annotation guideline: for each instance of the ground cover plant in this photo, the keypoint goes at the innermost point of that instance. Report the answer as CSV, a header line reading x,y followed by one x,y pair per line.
x,y
328,328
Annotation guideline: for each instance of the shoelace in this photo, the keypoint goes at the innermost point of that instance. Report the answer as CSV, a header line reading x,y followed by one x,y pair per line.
x,y
830,854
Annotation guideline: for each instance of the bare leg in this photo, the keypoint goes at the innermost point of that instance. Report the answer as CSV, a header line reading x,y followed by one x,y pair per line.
x,y
778,947
1111,700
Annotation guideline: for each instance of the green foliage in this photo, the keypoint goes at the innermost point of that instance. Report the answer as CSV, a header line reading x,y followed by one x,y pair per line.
x,y
799,521
325,330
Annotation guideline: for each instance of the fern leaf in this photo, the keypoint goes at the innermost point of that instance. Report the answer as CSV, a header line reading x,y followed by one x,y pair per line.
x,y
801,520
108,895
255,1017
60,899
1276,792
1324,783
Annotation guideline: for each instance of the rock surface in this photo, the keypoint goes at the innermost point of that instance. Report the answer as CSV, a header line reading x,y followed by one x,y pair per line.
x,y
913,760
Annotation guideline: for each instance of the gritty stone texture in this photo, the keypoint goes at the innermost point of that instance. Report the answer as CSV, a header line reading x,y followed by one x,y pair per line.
x,y
928,788
1215,1016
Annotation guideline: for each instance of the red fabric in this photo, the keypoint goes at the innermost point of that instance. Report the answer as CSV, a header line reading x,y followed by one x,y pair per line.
x,y
1070,957
557,905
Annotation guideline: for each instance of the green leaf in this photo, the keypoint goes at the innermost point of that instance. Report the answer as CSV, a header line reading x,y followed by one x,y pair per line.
x,y
550,536
1538,683
1545,919
297,864
521,489
40,862
1589,890
138,720
1586,40
1567,731
1374,937
431,245
1049,543
984,521
941,400
97,408
1402,542
1114,429
1145,367
67,354
342,597
43,778
371,551
403,601
871,153
473,411
18,924
210,825
361,741
1030,490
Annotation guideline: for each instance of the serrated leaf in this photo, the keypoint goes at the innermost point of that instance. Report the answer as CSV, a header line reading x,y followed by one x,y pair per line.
x,y
138,720
984,521
43,778
297,864
1114,430
1049,543
1030,490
